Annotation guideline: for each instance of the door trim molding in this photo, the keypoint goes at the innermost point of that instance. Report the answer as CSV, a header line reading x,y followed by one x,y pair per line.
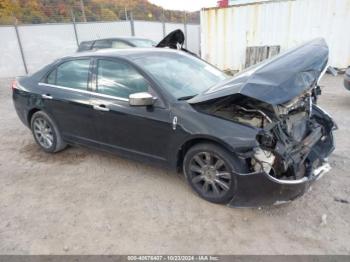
x,y
84,92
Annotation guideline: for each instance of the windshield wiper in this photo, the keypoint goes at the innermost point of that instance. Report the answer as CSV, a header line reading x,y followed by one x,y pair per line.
x,y
186,97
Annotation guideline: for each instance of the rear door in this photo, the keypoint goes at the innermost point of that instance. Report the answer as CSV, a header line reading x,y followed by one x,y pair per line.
x,y
66,98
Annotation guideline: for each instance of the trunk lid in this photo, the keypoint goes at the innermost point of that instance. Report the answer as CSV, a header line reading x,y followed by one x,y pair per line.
x,y
277,80
174,40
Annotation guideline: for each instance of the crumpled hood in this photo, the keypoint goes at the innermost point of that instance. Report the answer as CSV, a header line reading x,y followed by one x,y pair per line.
x,y
277,80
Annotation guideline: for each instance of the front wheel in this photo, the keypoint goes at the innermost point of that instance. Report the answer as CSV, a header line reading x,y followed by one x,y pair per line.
x,y
46,133
209,169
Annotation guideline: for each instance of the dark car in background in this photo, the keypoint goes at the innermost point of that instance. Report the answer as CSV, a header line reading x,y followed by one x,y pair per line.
x,y
117,43
255,139
347,79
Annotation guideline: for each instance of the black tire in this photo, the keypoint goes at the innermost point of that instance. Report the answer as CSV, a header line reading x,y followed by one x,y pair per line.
x,y
57,144
198,175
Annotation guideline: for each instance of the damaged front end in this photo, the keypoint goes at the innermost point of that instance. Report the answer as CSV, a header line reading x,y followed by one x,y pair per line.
x,y
294,140
293,134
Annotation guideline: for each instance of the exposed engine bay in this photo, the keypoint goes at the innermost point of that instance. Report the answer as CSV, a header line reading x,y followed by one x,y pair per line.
x,y
290,134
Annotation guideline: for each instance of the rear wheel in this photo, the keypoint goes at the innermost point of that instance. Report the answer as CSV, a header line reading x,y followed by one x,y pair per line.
x,y
46,133
209,169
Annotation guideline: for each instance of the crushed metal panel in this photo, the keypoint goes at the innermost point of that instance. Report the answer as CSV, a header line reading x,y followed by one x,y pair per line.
x,y
276,80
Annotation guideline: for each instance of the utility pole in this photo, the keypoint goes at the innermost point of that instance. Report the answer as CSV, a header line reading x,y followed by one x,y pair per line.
x,y
82,7
132,25
74,27
20,45
163,23
126,14
185,28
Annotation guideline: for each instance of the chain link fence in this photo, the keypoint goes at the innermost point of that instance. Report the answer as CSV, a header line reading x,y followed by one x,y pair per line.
x,y
26,47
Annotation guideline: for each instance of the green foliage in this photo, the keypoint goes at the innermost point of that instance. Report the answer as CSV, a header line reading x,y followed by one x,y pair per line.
x,y
51,11
7,9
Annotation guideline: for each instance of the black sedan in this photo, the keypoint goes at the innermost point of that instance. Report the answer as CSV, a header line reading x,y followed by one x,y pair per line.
x,y
256,139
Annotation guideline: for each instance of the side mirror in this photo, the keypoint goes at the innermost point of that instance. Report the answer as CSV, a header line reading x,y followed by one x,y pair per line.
x,y
141,99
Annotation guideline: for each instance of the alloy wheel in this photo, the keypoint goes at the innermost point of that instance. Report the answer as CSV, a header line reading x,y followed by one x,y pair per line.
x,y
209,174
43,132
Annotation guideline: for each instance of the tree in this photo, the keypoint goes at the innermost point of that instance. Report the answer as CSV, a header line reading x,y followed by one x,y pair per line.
x,y
8,9
108,15
46,11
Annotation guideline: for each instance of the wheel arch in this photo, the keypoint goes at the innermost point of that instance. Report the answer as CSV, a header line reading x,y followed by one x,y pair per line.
x,y
58,143
30,114
181,152
32,111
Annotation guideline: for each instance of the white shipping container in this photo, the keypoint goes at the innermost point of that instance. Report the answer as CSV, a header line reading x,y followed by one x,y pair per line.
x,y
227,32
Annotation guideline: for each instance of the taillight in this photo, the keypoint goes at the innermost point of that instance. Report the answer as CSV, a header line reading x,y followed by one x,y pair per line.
x,y
14,84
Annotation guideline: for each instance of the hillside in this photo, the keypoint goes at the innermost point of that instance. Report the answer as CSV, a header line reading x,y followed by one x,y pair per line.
x,y
52,11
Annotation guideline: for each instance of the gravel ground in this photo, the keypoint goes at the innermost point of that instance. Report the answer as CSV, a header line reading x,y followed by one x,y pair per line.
x,y
82,201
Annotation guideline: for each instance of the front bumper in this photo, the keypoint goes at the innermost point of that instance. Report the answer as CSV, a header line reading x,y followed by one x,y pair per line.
x,y
261,189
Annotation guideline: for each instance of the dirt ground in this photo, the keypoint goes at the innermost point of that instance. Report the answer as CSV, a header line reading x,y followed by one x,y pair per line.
x,y
82,201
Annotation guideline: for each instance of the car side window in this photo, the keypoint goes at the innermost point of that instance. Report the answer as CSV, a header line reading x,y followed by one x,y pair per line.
x,y
51,78
100,44
120,44
117,78
73,74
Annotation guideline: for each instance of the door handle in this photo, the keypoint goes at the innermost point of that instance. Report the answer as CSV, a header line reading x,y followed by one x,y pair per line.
x,y
46,96
100,108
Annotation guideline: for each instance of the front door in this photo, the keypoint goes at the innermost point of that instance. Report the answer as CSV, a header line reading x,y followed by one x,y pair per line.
x,y
144,130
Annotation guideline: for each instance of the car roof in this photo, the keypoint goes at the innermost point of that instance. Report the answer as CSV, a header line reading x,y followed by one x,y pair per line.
x,y
126,38
124,53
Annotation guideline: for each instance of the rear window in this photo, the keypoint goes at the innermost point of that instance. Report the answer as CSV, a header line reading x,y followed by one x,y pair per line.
x,y
142,42
101,44
120,44
72,74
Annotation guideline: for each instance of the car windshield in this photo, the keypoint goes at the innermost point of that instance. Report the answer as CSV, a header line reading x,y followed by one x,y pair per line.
x,y
142,42
182,75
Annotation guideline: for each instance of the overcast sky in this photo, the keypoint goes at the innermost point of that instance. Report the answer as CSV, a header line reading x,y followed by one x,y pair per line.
x,y
188,5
